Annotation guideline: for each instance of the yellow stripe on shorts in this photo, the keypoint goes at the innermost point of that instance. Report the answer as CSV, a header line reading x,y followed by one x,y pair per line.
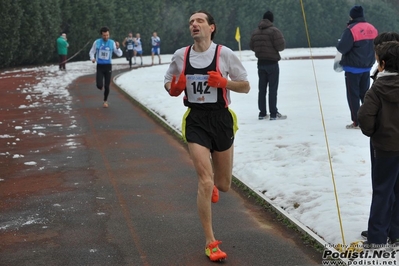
x,y
235,121
183,125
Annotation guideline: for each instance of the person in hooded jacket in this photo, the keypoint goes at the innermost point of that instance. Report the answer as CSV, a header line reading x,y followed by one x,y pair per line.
x,y
357,49
267,41
379,119
381,38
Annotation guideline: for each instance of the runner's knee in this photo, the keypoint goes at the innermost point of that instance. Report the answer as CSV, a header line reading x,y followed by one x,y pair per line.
x,y
205,183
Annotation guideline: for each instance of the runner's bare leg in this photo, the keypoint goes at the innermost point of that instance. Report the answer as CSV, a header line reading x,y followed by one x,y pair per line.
x,y
201,158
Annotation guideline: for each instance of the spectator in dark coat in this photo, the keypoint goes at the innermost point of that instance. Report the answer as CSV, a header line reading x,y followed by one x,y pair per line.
x,y
379,119
380,39
267,41
357,49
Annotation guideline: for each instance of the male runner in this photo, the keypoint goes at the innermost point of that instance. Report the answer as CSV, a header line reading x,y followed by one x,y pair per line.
x,y
156,47
101,51
128,42
209,125
138,48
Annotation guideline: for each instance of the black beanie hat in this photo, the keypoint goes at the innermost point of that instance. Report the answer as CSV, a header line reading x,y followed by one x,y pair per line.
x,y
268,15
356,12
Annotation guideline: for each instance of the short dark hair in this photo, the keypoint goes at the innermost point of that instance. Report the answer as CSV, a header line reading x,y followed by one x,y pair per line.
x,y
389,53
386,37
210,20
104,29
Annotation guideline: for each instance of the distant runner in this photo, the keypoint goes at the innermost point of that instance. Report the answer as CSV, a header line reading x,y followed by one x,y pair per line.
x,y
156,47
101,51
138,49
128,42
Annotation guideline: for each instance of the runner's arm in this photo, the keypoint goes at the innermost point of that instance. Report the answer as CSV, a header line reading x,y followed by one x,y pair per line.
x,y
174,69
233,67
238,86
117,50
93,52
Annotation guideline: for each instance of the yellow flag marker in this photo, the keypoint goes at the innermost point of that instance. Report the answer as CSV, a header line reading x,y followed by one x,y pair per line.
x,y
238,39
238,36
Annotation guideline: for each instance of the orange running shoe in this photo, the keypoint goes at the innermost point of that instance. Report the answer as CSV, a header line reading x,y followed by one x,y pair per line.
x,y
215,194
213,251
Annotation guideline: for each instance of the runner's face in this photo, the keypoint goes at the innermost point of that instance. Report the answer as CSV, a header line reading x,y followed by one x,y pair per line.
x,y
105,36
199,27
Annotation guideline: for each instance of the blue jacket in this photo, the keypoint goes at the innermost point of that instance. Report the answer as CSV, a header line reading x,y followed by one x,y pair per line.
x,y
356,45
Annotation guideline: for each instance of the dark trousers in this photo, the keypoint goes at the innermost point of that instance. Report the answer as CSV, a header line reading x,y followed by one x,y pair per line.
x,y
103,78
268,75
129,56
356,87
384,210
371,156
62,61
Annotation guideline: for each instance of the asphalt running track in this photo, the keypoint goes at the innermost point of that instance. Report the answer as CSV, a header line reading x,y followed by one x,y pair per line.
x,y
115,187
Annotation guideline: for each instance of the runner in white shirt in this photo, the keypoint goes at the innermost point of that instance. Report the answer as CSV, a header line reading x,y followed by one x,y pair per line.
x,y
156,47
138,48
209,125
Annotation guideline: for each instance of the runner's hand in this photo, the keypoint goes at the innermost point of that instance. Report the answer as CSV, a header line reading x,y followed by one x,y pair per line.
x,y
176,88
216,80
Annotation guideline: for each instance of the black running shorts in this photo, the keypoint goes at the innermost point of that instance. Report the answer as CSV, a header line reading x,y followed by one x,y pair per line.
x,y
212,129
